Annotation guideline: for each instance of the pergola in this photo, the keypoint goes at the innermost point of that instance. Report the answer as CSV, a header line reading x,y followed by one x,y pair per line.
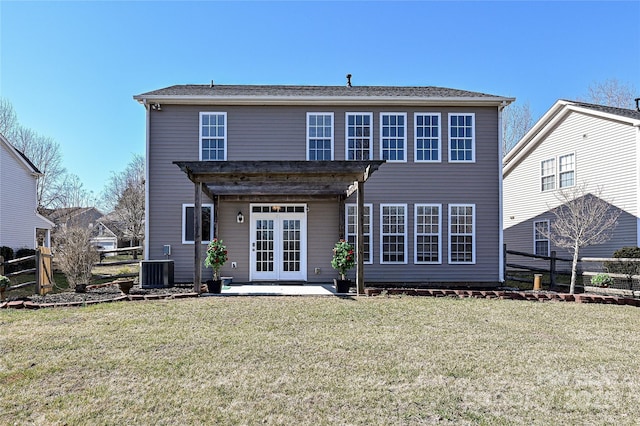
x,y
278,178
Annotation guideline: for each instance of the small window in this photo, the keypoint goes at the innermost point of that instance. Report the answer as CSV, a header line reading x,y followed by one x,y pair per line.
x,y
427,233
393,233
359,142
351,228
320,136
566,170
427,137
462,233
540,239
187,223
213,136
548,174
393,136
462,138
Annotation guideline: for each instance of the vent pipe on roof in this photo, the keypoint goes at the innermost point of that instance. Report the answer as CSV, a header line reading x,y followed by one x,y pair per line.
x,y
348,80
211,83
637,104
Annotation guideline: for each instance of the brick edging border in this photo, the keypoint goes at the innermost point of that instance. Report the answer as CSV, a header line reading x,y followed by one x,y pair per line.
x,y
27,304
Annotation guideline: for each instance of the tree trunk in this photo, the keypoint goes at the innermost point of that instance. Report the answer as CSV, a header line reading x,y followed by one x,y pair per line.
x,y
574,269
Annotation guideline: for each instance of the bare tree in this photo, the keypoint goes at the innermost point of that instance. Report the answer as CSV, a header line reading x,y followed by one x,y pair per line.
x,y
124,194
583,219
45,154
612,93
516,122
75,255
70,192
8,119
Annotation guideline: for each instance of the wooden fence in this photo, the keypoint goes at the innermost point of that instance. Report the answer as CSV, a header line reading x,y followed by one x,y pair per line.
x,y
43,272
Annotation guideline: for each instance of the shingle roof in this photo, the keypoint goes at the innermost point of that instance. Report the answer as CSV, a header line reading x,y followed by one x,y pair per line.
x,y
195,90
623,112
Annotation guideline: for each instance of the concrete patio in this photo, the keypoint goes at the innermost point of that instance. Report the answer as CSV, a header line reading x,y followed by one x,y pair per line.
x,y
277,290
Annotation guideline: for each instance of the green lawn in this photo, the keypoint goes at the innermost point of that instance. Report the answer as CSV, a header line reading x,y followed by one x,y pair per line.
x,y
321,361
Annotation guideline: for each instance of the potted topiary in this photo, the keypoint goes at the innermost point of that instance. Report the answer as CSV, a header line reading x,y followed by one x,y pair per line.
x,y
4,285
216,258
342,261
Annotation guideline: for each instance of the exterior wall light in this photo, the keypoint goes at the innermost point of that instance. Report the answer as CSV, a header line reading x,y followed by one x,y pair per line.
x,y
240,217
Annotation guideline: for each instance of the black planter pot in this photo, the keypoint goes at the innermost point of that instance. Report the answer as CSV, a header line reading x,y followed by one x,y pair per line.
x,y
81,288
342,286
214,286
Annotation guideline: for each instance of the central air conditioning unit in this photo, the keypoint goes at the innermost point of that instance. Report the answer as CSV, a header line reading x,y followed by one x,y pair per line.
x,y
156,273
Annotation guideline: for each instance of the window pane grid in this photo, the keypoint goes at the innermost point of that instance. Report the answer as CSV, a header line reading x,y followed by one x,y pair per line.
x,y
567,170
428,234
359,136
393,239
392,138
540,241
427,137
548,172
461,137
351,231
213,136
320,136
461,230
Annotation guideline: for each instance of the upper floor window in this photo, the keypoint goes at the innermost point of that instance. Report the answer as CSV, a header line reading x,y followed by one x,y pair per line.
x,y
213,136
359,136
462,233
427,237
188,236
393,233
564,168
427,136
352,224
320,136
462,137
393,136
540,239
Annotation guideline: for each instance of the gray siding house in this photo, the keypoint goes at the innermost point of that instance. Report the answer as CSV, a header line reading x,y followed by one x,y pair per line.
x,y
273,168
574,143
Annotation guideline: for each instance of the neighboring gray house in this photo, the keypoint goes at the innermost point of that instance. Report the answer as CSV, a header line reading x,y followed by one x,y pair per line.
x,y
20,224
574,143
272,167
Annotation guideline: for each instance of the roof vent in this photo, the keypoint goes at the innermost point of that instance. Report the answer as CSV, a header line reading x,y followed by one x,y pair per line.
x,y
348,80
211,83
637,104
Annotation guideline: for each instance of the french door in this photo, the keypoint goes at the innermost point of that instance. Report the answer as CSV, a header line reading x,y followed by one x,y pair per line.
x,y
278,243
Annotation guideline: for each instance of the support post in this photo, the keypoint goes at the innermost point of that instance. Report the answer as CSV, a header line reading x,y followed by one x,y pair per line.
x,y
197,237
360,240
341,215
552,270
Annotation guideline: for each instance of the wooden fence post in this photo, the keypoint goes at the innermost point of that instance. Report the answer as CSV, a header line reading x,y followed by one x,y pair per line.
x,y
38,269
1,265
552,270
504,262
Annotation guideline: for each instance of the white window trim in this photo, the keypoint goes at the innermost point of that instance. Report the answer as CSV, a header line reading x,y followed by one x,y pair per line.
x,y
542,176
415,136
200,137
415,234
346,133
575,174
382,234
544,239
406,128
473,235
184,223
333,131
346,227
473,137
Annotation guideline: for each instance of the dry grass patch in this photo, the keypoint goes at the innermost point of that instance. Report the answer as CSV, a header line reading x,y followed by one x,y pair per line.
x,y
298,360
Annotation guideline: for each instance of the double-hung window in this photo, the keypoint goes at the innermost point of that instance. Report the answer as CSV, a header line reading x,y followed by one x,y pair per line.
x,y
462,138
462,241
213,136
352,231
540,238
548,174
427,235
427,137
188,236
393,233
393,136
359,136
319,136
566,170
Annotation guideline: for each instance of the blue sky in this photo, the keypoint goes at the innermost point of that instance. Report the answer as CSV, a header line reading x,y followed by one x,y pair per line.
x,y
70,69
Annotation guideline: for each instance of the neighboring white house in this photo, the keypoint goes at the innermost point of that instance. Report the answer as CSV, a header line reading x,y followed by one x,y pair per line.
x,y
20,223
574,143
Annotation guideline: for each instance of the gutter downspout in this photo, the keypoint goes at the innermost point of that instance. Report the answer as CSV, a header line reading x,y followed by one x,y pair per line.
x,y
146,180
501,276
637,207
